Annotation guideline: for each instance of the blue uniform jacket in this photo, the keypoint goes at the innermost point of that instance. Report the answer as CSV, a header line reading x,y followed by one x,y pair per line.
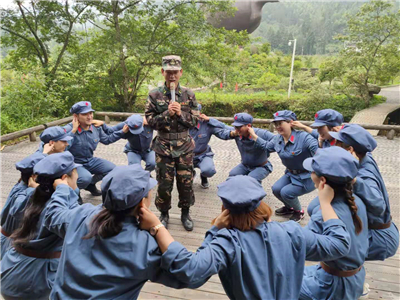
x,y
202,133
370,187
29,277
15,191
18,190
300,146
325,143
265,263
318,284
113,268
86,141
138,143
252,156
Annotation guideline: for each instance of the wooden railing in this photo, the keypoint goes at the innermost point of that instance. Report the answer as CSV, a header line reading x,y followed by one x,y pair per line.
x,y
391,129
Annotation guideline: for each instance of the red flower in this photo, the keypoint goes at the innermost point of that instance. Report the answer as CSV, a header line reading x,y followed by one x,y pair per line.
x,y
292,138
276,114
236,118
87,104
316,115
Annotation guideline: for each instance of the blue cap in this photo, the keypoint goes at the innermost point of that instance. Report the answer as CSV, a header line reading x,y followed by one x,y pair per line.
x,y
81,107
334,163
241,193
28,163
135,123
242,119
199,107
285,115
55,133
125,186
356,136
327,117
56,165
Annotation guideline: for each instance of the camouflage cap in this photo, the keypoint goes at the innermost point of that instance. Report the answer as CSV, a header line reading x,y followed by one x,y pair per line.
x,y
171,62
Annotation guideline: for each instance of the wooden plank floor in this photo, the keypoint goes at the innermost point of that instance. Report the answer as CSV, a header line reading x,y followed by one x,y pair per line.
x,y
383,277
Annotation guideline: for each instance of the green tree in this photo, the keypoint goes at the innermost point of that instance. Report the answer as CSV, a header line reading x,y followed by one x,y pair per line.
x,y
31,28
372,37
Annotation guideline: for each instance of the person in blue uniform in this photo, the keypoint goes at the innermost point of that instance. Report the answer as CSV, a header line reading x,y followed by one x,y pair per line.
x,y
28,268
56,137
325,120
86,137
255,162
105,254
254,257
370,187
20,190
340,278
292,147
139,138
203,154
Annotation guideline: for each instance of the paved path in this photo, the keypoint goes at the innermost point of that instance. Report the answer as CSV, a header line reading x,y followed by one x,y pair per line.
x,y
383,277
377,115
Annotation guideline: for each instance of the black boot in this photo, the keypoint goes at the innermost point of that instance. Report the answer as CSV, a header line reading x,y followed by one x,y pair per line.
x,y
186,219
93,190
204,182
164,218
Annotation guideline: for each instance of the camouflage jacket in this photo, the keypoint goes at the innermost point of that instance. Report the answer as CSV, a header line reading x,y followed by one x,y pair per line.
x,y
158,118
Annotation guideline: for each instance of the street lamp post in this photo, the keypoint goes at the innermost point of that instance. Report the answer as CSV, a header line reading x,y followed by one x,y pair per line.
x,y
291,69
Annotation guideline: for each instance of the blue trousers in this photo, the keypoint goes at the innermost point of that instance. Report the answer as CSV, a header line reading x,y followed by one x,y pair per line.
x,y
288,192
148,157
206,165
258,173
96,166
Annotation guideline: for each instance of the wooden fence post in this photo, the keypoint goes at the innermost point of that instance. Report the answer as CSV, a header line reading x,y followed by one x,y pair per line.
x,y
32,137
391,134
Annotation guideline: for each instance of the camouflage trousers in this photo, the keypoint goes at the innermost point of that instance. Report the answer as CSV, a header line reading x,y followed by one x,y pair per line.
x,y
166,168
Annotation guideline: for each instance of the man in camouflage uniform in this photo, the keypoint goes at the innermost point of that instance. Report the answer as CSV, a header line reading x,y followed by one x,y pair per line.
x,y
173,145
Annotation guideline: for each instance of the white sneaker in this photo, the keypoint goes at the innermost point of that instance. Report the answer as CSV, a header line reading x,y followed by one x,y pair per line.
x,y
365,291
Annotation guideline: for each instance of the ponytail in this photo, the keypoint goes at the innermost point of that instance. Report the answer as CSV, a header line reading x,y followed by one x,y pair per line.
x,y
106,224
33,210
347,189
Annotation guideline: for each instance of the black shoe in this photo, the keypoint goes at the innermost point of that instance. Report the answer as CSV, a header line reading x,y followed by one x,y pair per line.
x,y
93,190
297,216
80,201
164,218
284,211
204,182
186,220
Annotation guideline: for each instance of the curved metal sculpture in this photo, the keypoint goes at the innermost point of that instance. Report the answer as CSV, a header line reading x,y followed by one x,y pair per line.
x,y
247,17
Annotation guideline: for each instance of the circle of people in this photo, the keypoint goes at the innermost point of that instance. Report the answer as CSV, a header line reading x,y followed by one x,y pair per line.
x,y
53,246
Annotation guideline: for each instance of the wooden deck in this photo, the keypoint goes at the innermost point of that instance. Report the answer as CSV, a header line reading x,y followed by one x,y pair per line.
x,y
383,277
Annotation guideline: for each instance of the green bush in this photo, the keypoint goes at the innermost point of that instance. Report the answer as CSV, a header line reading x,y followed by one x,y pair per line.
x,y
26,101
260,105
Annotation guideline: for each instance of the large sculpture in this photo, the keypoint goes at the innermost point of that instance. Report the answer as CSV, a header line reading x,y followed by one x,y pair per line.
x,y
247,17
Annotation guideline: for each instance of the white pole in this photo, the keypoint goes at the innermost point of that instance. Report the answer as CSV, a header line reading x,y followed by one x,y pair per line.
x,y
291,69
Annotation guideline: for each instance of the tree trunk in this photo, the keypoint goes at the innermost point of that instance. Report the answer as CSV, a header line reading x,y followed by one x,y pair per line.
x,y
125,74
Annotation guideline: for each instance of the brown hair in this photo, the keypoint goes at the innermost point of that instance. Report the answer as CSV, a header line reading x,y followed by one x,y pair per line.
x,y
34,208
249,221
107,223
345,146
347,189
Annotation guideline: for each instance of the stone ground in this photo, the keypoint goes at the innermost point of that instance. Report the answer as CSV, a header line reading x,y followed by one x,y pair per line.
x,y
376,115
383,277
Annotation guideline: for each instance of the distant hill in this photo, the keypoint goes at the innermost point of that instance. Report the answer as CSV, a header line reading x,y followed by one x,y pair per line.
x,y
313,24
